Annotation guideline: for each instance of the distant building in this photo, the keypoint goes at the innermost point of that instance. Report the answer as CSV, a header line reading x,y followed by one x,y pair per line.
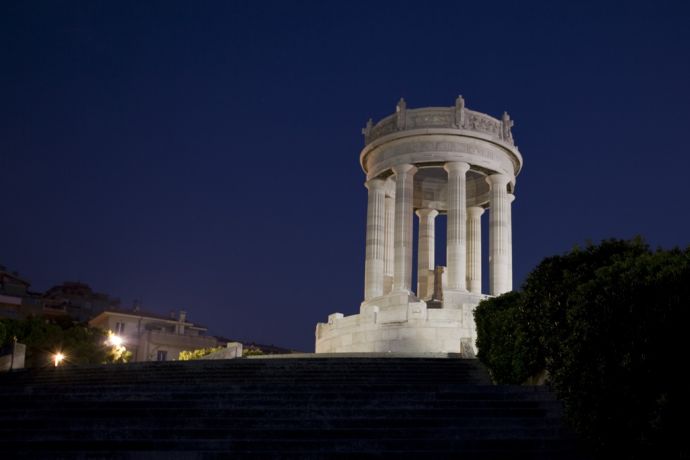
x,y
74,299
149,336
153,337
16,300
78,300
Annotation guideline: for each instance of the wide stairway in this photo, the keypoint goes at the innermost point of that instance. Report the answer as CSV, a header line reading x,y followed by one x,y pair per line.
x,y
345,407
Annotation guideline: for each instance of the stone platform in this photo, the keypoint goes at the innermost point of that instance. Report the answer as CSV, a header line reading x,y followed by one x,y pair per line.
x,y
403,324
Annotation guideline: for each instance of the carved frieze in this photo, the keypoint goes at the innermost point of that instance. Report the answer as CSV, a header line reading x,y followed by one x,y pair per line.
x,y
484,124
458,117
429,119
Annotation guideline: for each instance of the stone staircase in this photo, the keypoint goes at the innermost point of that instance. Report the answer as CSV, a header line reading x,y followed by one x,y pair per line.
x,y
333,407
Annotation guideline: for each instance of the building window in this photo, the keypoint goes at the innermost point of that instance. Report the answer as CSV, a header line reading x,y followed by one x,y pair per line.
x,y
162,355
119,328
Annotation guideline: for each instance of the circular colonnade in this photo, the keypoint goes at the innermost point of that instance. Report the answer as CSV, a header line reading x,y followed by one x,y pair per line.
x,y
430,161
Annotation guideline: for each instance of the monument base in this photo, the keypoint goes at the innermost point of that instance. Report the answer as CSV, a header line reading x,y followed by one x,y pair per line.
x,y
401,323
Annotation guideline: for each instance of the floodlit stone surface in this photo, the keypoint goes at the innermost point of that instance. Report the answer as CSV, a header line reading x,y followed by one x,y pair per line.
x,y
425,253
430,161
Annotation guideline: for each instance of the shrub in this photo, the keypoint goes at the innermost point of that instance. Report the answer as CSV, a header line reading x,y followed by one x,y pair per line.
x,y
607,322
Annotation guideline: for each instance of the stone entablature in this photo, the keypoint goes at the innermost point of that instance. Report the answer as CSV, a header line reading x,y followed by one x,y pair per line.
x,y
428,162
434,148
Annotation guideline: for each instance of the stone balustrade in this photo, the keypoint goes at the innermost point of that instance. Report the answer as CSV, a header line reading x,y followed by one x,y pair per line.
x,y
457,117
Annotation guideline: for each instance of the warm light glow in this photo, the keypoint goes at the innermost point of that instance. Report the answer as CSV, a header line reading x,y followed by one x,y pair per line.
x,y
118,351
57,358
116,340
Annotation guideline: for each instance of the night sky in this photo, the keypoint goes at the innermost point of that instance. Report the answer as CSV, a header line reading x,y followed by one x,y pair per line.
x,y
205,155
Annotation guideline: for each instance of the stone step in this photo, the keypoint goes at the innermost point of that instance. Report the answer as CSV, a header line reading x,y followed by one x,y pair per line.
x,y
414,401
284,380
227,421
407,434
354,380
462,448
248,386
261,365
442,390
277,408
324,374
294,412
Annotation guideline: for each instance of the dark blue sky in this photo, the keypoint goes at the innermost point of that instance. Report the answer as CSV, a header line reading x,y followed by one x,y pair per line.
x,y
204,155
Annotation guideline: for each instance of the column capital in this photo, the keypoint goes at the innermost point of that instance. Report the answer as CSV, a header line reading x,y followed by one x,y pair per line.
x,y
456,166
475,211
373,184
511,198
498,179
404,169
426,212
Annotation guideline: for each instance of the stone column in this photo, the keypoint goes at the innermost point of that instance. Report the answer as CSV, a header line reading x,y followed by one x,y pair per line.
x,y
388,249
509,239
456,253
500,252
373,265
426,252
474,249
402,274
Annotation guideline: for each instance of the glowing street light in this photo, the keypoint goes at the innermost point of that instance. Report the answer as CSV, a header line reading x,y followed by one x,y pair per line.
x,y
118,351
115,340
57,358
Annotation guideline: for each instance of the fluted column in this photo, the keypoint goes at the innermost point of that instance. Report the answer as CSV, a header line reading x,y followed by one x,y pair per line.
x,y
474,249
500,246
509,239
426,252
456,254
402,272
373,265
388,249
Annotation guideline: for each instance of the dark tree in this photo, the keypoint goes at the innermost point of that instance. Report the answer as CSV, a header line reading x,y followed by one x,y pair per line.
x,y
607,323
43,337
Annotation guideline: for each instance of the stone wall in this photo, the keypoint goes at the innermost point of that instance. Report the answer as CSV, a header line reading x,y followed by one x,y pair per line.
x,y
231,351
15,359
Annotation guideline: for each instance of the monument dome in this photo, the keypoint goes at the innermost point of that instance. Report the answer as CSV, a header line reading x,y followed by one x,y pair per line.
x,y
426,162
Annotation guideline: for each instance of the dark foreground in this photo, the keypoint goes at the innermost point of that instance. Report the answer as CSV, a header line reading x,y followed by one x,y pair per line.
x,y
278,408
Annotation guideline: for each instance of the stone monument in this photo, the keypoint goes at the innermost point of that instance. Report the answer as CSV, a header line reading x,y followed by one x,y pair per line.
x,y
430,161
